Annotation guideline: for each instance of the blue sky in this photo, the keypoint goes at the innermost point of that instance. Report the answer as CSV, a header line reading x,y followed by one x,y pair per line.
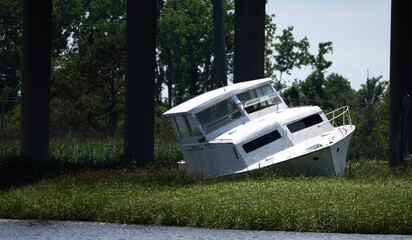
x,y
359,30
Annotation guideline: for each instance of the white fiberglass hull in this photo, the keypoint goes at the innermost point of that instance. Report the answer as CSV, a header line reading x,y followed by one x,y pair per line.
x,y
321,156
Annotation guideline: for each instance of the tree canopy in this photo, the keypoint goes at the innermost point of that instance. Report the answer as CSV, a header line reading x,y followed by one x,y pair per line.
x,y
88,65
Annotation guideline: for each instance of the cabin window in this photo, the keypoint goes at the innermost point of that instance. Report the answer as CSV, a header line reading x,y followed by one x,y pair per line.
x,y
258,98
175,128
186,126
194,128
304,123
218,115
261,141
183,126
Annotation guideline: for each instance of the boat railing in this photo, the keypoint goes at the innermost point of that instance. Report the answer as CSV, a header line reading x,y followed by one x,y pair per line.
x,y
341,114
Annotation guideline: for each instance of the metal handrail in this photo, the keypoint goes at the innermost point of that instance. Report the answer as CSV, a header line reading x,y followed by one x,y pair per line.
x,y
341,112
344,112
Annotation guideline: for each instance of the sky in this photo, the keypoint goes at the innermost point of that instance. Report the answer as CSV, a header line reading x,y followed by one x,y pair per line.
x,y
358,29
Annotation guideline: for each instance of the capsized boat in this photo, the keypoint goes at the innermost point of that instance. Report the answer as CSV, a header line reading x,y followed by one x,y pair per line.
x,y
248,126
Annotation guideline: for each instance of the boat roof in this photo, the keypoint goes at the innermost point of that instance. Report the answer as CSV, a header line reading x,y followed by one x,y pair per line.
x,y
213,96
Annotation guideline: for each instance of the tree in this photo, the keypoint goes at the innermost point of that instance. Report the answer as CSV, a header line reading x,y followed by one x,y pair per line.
x,y
290,53
87,90
313,87
103,71
185,48
286,57
320,64
372,118
337,92
66,21
270,30
71,102
372,91
286,52
106,74
10,59
292,94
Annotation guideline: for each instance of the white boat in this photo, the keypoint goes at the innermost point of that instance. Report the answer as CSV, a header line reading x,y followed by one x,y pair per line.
x,y
248,126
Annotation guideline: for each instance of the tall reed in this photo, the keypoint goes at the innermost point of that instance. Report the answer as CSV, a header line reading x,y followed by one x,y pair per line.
x,y
83,153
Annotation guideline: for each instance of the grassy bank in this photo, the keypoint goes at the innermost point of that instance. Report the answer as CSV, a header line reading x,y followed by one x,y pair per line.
x,y
370,199
91,153
82,154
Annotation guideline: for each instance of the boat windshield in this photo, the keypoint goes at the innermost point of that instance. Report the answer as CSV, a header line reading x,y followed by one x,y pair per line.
x,y
218,115
259,98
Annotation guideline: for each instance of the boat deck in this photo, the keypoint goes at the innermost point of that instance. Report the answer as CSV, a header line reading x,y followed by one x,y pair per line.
x,y
316,145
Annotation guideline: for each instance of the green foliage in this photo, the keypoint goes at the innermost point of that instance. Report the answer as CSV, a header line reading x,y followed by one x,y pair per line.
x,y
337,92
98,19
87,84
66,19
372,91
313,87
285,58
83,154
369,108
292,94
12,119
286,52
372,119
185,47
10,49
320,64
270,30
87,90
291,53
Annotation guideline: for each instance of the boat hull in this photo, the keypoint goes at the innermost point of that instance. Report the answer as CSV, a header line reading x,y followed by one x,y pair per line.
x,y
328,160
211,160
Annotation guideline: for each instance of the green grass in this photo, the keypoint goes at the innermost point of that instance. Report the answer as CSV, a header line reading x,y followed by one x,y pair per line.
x,y
370,199
82,154
91,153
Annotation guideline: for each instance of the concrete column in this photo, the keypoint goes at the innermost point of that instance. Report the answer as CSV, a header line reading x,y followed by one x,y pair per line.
x,y
249,40
219,43
400,81
140,79
35,85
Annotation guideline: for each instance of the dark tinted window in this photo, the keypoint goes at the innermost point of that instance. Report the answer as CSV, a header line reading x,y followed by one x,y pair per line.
x,y
304,123
261,141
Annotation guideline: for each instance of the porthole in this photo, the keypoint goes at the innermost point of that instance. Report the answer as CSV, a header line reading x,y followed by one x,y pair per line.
x,y
316,158
337,150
